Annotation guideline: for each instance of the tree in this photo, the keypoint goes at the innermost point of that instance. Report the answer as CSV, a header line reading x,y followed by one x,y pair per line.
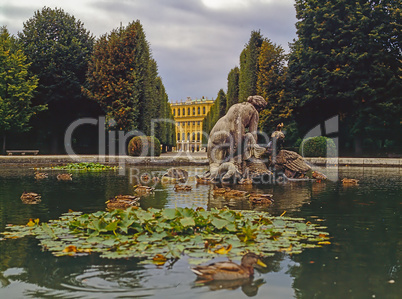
x,y
249,66
233,88
117,74
272,85
58,46
347,61
16,88
218,109
123,78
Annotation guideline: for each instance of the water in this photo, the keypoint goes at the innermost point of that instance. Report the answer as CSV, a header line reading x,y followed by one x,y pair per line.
x,y
363,260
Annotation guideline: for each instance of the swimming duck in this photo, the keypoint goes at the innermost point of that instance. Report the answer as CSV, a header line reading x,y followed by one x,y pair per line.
x,y
65,177
260,198
143,190
202,180
155,179
220,191
182,187
229,270
346,181
30,198
122,202
40,175
145,178
235,193
245,182
318,176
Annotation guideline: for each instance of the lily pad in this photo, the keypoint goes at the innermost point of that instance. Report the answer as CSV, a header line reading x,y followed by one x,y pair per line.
x,y
171,233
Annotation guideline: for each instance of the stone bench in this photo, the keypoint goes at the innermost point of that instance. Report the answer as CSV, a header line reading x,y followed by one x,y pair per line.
x,y
22,152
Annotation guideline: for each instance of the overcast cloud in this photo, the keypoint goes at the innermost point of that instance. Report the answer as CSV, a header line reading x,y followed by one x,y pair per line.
x,y
195,42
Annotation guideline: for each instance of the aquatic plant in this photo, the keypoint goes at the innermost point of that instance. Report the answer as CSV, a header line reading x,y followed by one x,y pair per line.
x,y
200,234
87,166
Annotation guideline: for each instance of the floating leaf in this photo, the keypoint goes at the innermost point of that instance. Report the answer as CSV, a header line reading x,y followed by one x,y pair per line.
x,y
224,250
219,223
171,233
169,213
187,221
159,259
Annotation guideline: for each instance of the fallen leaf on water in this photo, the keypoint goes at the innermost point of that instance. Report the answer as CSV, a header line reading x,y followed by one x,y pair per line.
x,y
324,243
159,259
223,250
286,249
33,222
70,248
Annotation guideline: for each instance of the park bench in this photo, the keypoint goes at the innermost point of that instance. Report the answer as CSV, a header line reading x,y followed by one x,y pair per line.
x,y
22,152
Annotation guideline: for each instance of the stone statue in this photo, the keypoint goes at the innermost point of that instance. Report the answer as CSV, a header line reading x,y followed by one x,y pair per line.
x,y
233,152
288,163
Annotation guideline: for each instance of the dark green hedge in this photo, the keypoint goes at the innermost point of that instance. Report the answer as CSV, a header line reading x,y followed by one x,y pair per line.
x,y
144,146
317,147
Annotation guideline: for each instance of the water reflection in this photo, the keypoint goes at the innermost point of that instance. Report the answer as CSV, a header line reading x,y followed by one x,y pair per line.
x,y
364,259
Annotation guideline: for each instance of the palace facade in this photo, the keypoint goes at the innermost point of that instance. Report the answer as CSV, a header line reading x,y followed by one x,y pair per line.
x,y
189,116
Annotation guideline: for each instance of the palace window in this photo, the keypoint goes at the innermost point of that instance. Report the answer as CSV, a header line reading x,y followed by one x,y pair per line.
x,y
184,111
199,110
178,136
178,112
193,110
183,136
188,136
203,110
174,112
198,136
188,111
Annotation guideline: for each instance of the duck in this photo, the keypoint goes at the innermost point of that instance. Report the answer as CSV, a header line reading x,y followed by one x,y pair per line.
x,y
142,190
145,178
30,198
178,187
235,193
318,176
65,177
40,175
229,270
245,182
260,198
202,180
220,191
346,181
122,202
155,179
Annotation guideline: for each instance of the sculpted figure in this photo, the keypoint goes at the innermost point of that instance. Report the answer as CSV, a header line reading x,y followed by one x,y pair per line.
x,y
233,139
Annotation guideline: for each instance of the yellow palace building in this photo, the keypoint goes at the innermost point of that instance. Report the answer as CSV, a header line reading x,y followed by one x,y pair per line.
x,y
189,116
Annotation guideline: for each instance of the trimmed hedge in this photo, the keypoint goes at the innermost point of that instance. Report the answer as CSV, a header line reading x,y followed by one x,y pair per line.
x,y
144,146
317,147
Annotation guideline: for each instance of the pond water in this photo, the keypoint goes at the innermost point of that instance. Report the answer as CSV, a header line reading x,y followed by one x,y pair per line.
x,y
363,260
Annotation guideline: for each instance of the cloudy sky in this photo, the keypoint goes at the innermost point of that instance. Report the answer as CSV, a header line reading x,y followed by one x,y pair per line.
x,y
195,42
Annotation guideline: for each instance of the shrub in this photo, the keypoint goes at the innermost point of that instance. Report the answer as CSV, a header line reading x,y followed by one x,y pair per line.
x,y
317,147
144,146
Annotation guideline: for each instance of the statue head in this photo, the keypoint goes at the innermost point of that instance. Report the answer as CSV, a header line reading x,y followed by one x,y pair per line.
x,y
257,101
